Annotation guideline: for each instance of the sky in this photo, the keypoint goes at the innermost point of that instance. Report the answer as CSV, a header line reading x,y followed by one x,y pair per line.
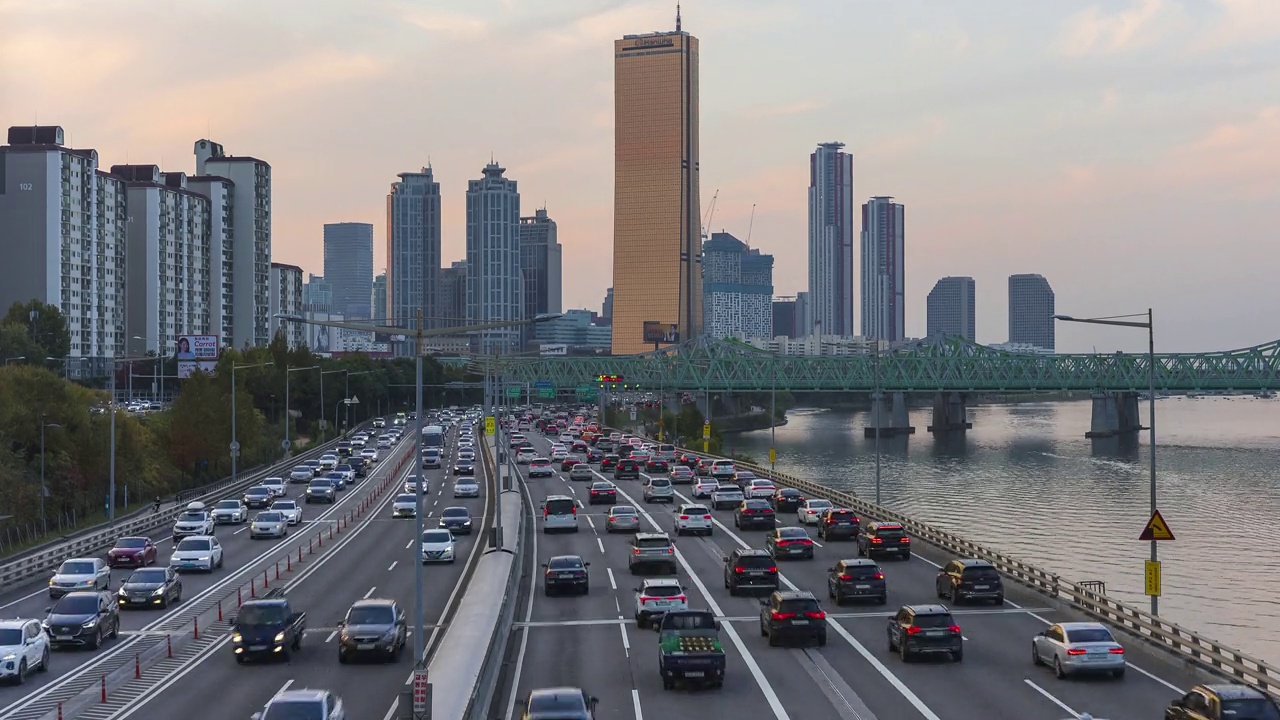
x,y
1128,150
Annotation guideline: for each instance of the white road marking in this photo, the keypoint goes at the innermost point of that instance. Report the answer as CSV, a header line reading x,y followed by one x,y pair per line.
x,y
332,635
366,595
406,547
1051,698
392,566
613,584
601,544
626,642
391,711
246,527
285,686
635,703
591,522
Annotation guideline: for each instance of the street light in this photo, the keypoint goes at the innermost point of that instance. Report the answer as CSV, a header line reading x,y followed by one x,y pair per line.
x,y
287,442
1149,325
44,524
12,359
235,444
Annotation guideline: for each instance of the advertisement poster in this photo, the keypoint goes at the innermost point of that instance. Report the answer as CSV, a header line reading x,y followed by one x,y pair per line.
x,y
197,352
660,332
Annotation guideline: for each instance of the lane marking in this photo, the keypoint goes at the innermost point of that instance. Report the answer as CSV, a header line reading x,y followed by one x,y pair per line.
x,y
635,703
613,584
753,618
591,522
409,546
392,566
626,642
366,595
285,686
332,635
600,543
1051,698
395,705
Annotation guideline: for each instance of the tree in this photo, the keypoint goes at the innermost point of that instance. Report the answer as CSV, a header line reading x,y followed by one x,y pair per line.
x,y
44,325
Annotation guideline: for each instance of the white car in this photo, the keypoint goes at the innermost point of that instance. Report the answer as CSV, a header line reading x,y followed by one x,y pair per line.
x,y
720,469
200,552
411,485
230,512
384,443
276,484
693,520
301,473
193,522
404,506
268,524
524,457
559,455
289,508
726,496
348,473
328,462
80,574
370,455
811,510
760,488
437,546
657,596
24,648
704,487
466,487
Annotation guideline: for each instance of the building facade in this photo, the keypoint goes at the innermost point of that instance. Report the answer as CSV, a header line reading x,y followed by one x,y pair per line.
x,y
286,299
317,294
784,318
348,267
1031,310
737,285
951,308
453,294
657,217
826,345
831,233
413,252
221,194
495,281
541,264
883,270
379,297
577,330
606,308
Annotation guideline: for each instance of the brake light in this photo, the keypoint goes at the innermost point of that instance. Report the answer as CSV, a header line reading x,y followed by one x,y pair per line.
x,y
1116,651
955,629
635,551
815,615
782,543
684,517
646,598
913,630
905,540
877,541
846,578
878,576
545,512
575,510
671,551
748,511
1076,651
775,615
682,598
706,517
739,569
772,569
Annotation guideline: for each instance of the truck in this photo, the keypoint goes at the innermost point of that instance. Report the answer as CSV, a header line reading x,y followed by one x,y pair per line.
x,y
267,628
689,649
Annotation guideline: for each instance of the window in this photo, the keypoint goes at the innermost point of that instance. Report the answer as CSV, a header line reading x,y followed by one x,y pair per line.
x,y
934,620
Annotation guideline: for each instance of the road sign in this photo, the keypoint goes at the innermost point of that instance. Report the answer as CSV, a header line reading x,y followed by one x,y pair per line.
x,y
773,456
543,384
490,427
235,446
284,444
1153,578
705,445
1156,529
706,431
515,391
546,392
633,412
421,693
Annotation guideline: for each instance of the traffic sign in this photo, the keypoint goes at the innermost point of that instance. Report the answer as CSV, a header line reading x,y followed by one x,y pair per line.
x,y
490,427
706,431
773,456
235,446
1153,578
515,391
284,444
353,400
543,384
1156,529
421,693
633,412
546,392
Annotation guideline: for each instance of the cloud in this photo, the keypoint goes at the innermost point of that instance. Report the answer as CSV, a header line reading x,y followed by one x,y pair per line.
x,y
1243,22
1092,31
450,25
74,63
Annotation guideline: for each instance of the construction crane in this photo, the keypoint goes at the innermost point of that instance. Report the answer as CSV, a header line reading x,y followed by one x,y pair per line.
x,y
751,224
711,213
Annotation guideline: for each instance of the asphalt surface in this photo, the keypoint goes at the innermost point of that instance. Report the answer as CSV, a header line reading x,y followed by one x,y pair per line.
x,y
592,642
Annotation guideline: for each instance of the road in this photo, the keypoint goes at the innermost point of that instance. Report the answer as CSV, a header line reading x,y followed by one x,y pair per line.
x,y
592,642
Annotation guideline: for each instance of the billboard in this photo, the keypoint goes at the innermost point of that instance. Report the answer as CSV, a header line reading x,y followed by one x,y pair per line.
x,y
196,352
660,332
546,349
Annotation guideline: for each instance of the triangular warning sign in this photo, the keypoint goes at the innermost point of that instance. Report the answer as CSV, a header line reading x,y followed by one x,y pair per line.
x,y
1156,529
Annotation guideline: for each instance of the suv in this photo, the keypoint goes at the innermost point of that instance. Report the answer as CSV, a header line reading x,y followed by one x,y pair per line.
x,y
657,596
884,538
193,522
658,489
318,704
836,523
792,613
300,474
650,549
276,484
559,512
25,648
321,490
748,568
856,578
723,470
970,579
626,469
925,630
1231,699
754,513
374,626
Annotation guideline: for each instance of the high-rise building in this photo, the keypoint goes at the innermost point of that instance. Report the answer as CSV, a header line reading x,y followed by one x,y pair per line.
x,y
348,267
62,231
883,270
250,212
577,330
606,308
540,264
453,294
221,194
379,297
784,318
737,286
317,294
804,326
413,252
831,232
656,212
1031,309
494,279
951,308
286,299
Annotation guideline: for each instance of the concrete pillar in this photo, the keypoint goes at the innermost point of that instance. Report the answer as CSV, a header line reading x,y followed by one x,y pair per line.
x,y
1114,414
949,413
891,420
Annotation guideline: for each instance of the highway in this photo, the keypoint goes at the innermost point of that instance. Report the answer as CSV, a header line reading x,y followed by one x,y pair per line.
x,y
592,642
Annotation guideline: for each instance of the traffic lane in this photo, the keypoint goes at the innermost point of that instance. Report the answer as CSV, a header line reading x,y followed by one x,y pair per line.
x,y
591,657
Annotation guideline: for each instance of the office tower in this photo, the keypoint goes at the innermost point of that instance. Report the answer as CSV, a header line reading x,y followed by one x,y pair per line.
x,y
286,299
221,193
317,294
737,286
804,327
379,297
883,271
250,210
656,212
453,295
951,308
540,264
62,231
413,252
1031,311
348,267
784,318
576,330
495,281
606,308
831,254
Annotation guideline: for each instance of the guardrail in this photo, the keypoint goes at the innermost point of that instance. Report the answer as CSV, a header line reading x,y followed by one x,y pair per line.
x,y
1183,643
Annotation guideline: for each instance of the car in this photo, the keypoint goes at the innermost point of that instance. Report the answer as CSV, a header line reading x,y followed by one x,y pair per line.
x,y
622,518
320,490
258,497
404,506
348,473
743,478
132,552
723,470
338,479
370,455
837,523
789,542
372,627
559,512
657,596
268,524
193,522
411,485
558,455
524,457
303,703
726,495
703,468
657,465
200,552
760,488
1078,648
289,508
754,513
681,475
626,469
384,443
82,619
650,550
568,462
595,456
692,519
466,453
466,487
581,471
810,511
456,520
788,500
230,512
1231,700
787,614
358,466
24,648
608,462
602,493
437,546
150,587
970,580
540,467
328,462
750,569
315,467
658,489
379,423
301,474
464,467
884,538
565,572
79,574
703,488
640,458
276,485
559,703
856,579
925,630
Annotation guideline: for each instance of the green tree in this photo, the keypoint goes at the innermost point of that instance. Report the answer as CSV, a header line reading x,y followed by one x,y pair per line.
x,y
44,325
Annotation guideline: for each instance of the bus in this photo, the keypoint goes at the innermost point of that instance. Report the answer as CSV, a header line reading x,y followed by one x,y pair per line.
x,y
433,436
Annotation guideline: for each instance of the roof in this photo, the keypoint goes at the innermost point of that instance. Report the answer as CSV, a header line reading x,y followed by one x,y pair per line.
x,y
1231,691
652,536
974,562
929,609
565,557
748,552
859,562
299,694
1068,626
795,595
661,582
373,602
15,623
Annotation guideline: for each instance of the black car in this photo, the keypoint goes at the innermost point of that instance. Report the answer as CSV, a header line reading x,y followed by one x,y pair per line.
x,y
258,497
785,615
970,580
789,542
608,462
657,465
1232,701
754,513
150,587
559,703
464,467
373,627
594,455
456,520
884,538
788,500
565,572
82,619
856,579
359,465
750,569
839,523
627,469
925,630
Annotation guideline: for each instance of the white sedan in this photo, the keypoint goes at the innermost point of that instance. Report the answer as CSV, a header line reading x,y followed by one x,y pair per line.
x,y
524,457
704,487
289,508
559,455
760,488
198,552
437,546
811,510
693,520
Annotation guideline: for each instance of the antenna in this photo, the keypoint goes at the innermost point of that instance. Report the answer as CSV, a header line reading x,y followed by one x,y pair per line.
x,y
751,224
677,17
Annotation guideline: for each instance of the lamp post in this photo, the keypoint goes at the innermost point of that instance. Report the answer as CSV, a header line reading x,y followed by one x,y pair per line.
x,y
44,525
335,415
14,359
287,441
1149,325
111,472
235,444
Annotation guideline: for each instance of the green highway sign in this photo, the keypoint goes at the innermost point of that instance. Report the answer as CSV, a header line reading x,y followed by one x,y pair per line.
x,y
546,392
515,391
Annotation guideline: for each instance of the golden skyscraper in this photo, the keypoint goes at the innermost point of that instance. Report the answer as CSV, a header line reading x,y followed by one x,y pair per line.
x,y
656,219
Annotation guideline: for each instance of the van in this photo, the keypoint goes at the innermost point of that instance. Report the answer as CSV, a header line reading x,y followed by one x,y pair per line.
x,y
560,512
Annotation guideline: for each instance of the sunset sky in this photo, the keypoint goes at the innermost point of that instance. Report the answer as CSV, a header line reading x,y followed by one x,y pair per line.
x,y
1128,150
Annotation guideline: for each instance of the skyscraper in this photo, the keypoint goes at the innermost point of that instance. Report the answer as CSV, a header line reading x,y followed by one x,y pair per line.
x,y
606,308
379,297
494,281
831,230
951,308
1031,309
317,295
286,299
656,211
453,295
737,287
784,318
883,271
413,252
541,264
348,267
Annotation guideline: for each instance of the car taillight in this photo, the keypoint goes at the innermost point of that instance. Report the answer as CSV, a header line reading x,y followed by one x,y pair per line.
x,y
878,576
671,551
1076,651
706,517
575,510
913,630
646,598
815,615
846,578
545,512
748,511
739,569
684,517
877,541
772,569
682,598
775,615
635,551
955,629
1116,651
905,540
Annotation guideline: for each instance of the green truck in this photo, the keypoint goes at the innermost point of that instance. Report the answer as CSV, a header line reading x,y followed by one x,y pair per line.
x,y
689,649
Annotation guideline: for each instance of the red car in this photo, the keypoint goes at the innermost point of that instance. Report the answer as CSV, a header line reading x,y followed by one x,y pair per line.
x,y
568,463
132,552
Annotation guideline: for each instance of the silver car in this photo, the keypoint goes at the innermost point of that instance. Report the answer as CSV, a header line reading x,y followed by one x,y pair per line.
x,y
80,574
404,506
289,508
466,487
1077,648
268,524
411,485
301,474
658,489
622,518
230,512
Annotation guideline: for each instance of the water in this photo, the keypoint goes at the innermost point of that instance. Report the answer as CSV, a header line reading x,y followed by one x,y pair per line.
x,y
1026,481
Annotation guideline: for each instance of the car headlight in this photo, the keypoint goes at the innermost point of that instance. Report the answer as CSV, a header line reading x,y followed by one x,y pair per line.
x,y
467,523
10,656
157,591
280,636
236,637
89,624
88,582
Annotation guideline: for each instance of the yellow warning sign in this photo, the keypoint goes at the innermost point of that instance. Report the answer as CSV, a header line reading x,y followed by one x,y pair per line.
x,y
706,431
490,427
1156,529
773,456
1153,578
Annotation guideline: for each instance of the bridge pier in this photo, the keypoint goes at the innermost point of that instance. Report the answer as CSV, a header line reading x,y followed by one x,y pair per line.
x,y
1114,414
949,413
890,421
